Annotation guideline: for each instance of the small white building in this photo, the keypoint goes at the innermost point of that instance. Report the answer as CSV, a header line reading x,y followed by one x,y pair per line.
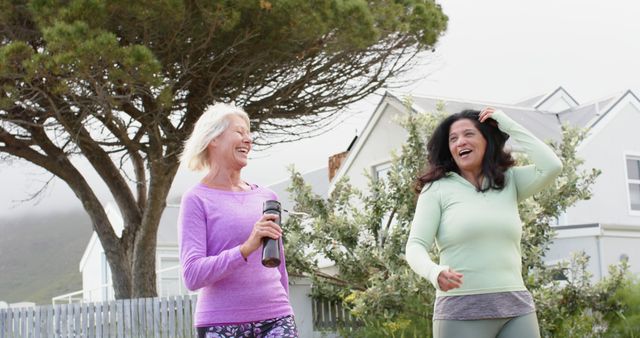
x,y
606,227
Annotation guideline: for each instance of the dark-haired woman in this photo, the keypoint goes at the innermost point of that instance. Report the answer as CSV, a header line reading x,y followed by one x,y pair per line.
x,y
468,205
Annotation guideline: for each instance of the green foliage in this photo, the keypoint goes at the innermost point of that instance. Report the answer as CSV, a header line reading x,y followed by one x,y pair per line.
x,y
364,233
578,307
626,321
238,48
537,213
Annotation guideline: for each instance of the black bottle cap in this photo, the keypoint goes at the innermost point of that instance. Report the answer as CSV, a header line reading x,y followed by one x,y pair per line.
x,y
271,205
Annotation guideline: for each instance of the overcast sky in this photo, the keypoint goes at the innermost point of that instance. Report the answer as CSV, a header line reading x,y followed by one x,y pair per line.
x,y
497,51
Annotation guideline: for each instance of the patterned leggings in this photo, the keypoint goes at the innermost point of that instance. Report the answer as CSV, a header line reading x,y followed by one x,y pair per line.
x,y
270,328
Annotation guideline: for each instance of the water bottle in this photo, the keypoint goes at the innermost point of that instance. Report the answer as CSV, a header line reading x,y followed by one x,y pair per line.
x,y
270,246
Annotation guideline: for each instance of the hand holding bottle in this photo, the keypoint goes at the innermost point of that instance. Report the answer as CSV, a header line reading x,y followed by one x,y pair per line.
x,y
266,227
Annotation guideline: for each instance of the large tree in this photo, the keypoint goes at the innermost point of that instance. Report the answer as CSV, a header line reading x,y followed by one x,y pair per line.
x,y
121,84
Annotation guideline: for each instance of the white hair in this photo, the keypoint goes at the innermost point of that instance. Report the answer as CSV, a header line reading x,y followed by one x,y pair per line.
x,y
209,126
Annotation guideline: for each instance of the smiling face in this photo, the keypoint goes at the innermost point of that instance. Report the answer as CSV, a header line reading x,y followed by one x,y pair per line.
x,y
232,147
467,146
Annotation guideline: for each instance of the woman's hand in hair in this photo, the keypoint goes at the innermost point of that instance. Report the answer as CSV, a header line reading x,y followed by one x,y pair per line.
x,y
449,279
486,114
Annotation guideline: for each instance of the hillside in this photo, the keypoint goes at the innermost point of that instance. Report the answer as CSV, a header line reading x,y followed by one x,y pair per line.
x,y
39,255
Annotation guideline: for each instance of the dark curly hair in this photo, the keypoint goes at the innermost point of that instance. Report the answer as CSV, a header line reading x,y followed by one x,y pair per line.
x,y
439,160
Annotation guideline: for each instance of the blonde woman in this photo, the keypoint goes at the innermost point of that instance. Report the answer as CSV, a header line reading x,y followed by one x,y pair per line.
x,y
221,227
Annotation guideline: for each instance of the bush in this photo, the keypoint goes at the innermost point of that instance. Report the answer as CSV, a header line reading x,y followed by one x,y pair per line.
x,y
626,321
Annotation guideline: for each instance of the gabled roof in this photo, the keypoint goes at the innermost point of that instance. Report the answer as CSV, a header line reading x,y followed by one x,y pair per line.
x,y
85,255
557,95
318,179
608,113
545,124
626,95
387,99
584,115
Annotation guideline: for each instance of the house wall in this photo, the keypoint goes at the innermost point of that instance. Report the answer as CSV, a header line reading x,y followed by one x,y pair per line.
x,y
94,274
605,151
386,136
603,250
299,292
614,248
94,269
91,272
562,248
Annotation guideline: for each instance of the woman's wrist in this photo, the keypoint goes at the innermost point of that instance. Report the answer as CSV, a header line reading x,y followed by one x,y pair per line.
x,y
244,251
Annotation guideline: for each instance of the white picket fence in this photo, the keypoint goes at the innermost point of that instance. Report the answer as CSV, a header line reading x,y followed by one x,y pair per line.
x,y
142,317
145,317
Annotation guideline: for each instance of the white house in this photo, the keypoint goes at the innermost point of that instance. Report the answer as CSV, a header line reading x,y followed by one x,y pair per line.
x,y
606,227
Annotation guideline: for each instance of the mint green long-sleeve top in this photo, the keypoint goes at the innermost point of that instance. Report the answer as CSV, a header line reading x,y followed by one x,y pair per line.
x,y
478,233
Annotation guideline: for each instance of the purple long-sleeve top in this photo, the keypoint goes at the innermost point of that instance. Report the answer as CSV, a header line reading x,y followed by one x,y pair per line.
x,y
212,226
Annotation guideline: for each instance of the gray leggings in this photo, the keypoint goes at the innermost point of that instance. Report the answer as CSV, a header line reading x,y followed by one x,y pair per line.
x,y
525,326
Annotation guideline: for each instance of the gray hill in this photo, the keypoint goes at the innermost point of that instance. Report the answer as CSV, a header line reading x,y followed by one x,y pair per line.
x,y
39,255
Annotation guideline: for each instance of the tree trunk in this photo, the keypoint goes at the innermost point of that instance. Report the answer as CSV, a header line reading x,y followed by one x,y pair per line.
x,y
132,256
120,274
144,243
133,264
144,269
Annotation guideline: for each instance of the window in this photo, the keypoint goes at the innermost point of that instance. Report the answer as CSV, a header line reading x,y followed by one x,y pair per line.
x,y
381,171
633,180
